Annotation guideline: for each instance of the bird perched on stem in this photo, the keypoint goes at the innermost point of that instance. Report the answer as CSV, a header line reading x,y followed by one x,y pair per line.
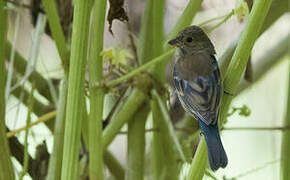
x,y
197,81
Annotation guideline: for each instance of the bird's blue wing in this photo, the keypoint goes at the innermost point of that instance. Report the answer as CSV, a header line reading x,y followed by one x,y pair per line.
x,y
201,96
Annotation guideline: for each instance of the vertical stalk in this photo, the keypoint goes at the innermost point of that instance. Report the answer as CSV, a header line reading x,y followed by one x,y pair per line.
x,y
55,161
28,120
76,89
237,66
6,169
57,32
157,36
136,145
157,148
285,148
114,166
197,172
96,95
144,47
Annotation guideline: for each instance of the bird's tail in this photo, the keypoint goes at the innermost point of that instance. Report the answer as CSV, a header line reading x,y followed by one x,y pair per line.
x,y
216,154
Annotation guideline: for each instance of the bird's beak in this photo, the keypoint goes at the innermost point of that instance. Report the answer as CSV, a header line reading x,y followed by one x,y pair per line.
x,y
175,42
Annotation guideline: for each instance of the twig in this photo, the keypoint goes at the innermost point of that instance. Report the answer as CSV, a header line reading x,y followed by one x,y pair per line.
x,y
252,170
43,118
141,68
146,131
258,128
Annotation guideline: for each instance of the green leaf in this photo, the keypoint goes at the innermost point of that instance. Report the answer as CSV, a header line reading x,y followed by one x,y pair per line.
x,y
241,10
116,55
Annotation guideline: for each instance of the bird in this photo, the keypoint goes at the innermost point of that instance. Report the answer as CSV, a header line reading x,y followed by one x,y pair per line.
x,y
198,84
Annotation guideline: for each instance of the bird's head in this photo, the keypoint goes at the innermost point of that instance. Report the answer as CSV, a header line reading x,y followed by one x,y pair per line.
x,y
192,39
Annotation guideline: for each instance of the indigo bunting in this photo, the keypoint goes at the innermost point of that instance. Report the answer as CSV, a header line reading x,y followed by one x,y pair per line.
x,y
197,81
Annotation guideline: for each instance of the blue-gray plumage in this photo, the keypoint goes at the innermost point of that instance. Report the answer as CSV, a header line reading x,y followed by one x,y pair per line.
x,y
197,81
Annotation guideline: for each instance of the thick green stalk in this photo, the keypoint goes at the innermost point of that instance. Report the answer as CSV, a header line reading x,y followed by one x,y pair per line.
x,y
76,82
277,9
57,32
6,169
157,148
55,161
197,172
136,144
285,148
134,101
238,64
158,37
165,157
272,57
144,47
96,95
114,166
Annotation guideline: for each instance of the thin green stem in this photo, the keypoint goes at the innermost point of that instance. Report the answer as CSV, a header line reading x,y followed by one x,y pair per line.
x,y
142,68
76,81
222,22
40,82
55,161
6,169
277,10
28,120
170,128
157,148
96,95
285,147
285,128
57,32
136,145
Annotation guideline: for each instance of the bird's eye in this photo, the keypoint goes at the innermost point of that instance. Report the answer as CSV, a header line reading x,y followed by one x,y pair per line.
x,y
189,39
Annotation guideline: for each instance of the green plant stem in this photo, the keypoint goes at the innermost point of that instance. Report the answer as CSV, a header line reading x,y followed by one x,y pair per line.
x,y
158,37
284,128
76,81
55,161
165,162
285,147
142,68
269,59
198,163
136,144
28,120
6,169
277,9
114,166
237,66
157,148
134,101
169,125
57,32
144,47
222,22
96,95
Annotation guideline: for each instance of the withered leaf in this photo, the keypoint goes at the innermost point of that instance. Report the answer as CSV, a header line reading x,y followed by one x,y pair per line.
x,y
116,11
